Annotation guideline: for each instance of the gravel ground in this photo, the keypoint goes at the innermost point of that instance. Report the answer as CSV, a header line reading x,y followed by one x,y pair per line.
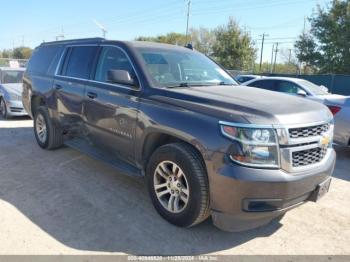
x,y
63,202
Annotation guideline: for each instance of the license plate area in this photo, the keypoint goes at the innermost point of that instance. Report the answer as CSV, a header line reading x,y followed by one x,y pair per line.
x,y
321,190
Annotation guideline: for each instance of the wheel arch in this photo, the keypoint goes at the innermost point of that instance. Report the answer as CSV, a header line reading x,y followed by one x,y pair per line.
x,y
157,138
35,102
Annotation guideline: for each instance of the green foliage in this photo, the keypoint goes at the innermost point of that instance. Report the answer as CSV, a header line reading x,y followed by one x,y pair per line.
x,y
6,53
22,53
327,46
228,44
233,47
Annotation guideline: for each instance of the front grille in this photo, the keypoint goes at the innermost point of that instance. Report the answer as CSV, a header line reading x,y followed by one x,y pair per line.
x,y
303,132
308,157
16,109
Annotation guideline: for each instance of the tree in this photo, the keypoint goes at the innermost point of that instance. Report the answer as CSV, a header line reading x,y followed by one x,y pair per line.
x,y
170,38
22,52
233,47
203,40
6,53
327,47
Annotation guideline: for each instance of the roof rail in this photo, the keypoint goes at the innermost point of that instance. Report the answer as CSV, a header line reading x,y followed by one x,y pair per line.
x,y
74,40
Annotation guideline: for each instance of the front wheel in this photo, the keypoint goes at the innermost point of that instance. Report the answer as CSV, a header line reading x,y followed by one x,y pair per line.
x,y
3,109
178,184
47,134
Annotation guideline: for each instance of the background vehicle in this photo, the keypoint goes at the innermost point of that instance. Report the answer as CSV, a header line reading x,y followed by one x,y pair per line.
x,y
338,104
11,92
206,146
245,78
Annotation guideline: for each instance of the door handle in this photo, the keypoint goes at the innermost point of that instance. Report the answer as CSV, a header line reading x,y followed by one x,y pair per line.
x,y
58,87
91,95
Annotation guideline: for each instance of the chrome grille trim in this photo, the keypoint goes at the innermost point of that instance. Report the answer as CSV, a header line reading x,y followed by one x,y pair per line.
x,y
303,132
302,149
308,157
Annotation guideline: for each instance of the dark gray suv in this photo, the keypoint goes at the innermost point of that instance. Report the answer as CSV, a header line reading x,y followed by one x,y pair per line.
x,y
205,145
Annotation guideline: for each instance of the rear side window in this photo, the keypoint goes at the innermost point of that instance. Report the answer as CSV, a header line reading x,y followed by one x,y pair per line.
x,y
78,62
44,60
287,87
264,84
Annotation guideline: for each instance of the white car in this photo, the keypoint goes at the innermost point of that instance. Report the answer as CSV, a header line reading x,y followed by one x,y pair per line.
x,y
11,92
338,104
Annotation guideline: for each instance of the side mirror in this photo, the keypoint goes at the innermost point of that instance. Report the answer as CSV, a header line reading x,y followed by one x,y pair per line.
x,y
324,88
302,93
120,77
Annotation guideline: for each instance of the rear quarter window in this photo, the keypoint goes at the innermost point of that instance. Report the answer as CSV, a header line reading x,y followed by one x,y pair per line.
x,y
78,61
44,60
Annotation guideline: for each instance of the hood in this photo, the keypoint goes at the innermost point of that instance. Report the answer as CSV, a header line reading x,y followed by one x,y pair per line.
x,y
244,104
13,88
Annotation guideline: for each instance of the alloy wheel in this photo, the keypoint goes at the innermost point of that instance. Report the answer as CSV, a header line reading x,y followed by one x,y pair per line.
x,y
171,187
41,129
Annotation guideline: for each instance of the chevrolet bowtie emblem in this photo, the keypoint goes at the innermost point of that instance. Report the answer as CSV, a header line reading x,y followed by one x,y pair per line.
x,y
324,141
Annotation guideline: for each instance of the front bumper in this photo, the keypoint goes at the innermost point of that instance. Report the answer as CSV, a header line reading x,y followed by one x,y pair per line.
x,y
243,198
15,108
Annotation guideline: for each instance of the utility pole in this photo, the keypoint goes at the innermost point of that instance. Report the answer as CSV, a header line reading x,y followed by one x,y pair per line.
x,y
262,49
22,40
276,51
273,50
188,18
290,56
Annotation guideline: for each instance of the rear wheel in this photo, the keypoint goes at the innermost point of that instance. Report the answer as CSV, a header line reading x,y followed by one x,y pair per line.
x,y
3,109
178,184
47,134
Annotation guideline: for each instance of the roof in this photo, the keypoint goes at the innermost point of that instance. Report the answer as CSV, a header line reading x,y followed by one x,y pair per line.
x,y
99,40
283,78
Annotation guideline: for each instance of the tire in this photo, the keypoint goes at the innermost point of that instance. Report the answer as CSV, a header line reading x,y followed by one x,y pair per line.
x,y
194,186
53,137
3,109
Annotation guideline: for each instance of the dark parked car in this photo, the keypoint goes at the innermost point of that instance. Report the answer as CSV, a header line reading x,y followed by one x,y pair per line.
x,y
206,146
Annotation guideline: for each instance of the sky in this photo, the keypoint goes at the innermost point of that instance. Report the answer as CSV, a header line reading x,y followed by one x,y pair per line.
x,y
30,22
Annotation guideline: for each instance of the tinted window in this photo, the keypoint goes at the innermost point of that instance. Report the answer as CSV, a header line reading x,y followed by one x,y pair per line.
x,y
112,58
44,59
264,84
287,87
243,79
11,77
79,61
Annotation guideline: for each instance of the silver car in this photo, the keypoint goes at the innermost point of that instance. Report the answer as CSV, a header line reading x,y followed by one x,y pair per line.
x,y
338,104
11,92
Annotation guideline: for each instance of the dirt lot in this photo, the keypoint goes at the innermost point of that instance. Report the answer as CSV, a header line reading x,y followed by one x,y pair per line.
x,y
63,202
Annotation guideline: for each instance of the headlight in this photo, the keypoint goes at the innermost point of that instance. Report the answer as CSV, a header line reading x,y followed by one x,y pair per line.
x,y
15,97
252,146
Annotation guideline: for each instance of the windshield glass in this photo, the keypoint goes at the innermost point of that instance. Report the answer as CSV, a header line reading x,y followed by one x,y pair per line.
x,y
172,68
315,89
11,77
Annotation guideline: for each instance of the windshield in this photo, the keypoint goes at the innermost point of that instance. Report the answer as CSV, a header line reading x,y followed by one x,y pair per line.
x,y
172,68
315,89
11,77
